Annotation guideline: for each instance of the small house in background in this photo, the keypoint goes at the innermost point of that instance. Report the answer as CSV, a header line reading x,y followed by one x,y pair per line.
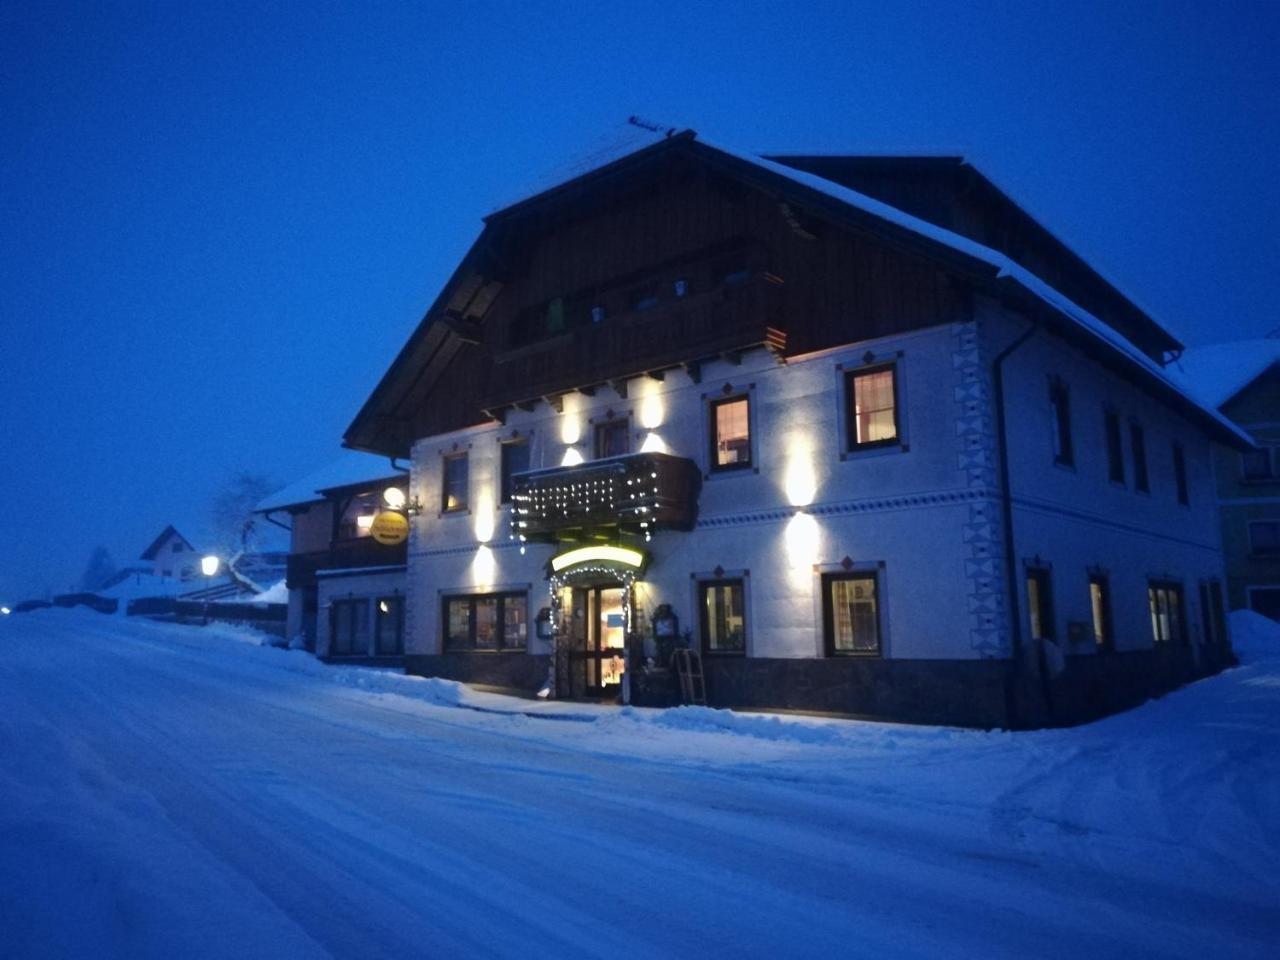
x,y
345,574
171,556
1242,379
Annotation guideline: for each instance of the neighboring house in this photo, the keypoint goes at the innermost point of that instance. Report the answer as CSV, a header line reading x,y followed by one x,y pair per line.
x,y
860,427
346,589
172,557
1242,380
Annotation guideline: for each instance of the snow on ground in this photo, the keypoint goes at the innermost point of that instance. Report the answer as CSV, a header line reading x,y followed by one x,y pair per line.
x,y
172,791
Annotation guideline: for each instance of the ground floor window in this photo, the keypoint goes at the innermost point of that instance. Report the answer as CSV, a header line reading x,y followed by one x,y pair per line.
x,y
851,614
1167,619
388,626
724,616
1100,604
349,628
1040,603
489,621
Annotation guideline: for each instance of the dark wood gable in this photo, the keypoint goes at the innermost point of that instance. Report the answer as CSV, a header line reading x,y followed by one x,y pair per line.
x,y
667,263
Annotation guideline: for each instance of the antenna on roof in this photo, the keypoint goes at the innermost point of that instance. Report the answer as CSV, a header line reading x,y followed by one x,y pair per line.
x,y
649,125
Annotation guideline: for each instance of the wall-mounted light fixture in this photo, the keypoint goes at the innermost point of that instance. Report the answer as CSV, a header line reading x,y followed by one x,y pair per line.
x,y
210,565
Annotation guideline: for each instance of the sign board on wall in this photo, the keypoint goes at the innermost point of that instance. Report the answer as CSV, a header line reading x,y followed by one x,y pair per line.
x,y
390,527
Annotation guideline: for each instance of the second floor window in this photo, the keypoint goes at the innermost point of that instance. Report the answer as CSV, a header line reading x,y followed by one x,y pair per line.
x,y
1180,474
731,433
515,459
872,398
1138,446
613,438
1264,538
1060,402
1115,446
454,486
1259,465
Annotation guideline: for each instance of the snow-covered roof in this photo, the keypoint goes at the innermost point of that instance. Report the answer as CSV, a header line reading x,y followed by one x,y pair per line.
x,y
1082,320
350,469
158,542
1217,372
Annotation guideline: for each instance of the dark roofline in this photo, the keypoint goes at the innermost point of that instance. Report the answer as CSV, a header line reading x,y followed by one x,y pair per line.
x,y
150,552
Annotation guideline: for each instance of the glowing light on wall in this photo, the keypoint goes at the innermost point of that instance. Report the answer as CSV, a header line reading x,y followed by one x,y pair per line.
x,y
393,497
572,457
653,444
483,567
5,611
653,409
623,555
570,420
802,538
800,479
209,565
484,517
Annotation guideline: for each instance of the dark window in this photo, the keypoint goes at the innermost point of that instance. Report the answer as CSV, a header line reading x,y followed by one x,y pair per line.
x,y
1138,444
1257,465
1219,610
349,628
1040,603
1100,606
1165,600
1115,447
1264,538
871,398
1180,473
724,616
177,548
851,614
613,438
1060,400
491,621
388,626
515,459
455,482
731,433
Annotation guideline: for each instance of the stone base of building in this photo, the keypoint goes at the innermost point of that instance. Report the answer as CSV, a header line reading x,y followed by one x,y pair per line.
x,y
962,693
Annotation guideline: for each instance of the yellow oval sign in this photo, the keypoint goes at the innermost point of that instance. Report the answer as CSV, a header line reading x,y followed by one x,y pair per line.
x,y
390,527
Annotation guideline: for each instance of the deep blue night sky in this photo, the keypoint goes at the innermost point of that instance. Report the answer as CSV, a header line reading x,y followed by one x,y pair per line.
x,y
218,227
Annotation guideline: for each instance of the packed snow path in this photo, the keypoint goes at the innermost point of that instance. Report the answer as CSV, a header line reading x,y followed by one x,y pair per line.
x,y
175,792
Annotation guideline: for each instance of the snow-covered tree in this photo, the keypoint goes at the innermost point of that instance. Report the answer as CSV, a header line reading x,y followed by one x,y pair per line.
x,y
99,571
236,529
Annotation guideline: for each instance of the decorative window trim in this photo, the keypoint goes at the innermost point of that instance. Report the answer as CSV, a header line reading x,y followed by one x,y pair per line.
x,y
701,579
850,569
608,419
445,457
710,401
444,598
845,372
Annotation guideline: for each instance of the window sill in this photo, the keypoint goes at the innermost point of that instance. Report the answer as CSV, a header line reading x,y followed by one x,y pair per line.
x,y
875,450
726,473
854,655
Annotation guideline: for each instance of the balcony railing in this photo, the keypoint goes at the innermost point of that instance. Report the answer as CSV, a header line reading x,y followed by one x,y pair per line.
x,y
637,493
344,555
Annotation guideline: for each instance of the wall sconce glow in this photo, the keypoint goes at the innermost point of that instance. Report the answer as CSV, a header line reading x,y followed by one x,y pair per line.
x,y
209,565
653,444
393,497
365,522
5,611
802,537
623,555
483,567
572,457
652,407
484,518
800,481
570,421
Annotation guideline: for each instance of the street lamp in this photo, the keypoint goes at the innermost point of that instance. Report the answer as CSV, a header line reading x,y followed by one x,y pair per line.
x,y
209,565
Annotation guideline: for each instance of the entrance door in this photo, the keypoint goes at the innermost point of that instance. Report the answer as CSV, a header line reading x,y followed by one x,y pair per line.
x,y
605,635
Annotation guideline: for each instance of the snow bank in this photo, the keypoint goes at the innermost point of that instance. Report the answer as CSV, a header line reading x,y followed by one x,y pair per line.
x,y
1253,636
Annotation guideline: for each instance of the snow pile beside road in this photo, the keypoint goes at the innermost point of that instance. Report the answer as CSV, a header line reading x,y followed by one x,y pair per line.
x,y
1253,636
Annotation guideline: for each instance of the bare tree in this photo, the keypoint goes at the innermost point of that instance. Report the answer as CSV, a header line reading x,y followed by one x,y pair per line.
x,y
99,571
236,529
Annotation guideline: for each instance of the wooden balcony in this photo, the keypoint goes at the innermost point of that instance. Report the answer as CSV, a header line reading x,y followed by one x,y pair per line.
x,y
343,555
635,494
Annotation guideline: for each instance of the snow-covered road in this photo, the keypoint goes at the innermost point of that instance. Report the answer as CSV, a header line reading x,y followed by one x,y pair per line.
x,y
176,792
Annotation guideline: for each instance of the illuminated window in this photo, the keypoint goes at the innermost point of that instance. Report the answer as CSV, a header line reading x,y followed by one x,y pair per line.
x,y
851,614
872,396
731,433
1100,606
515,459
491,621
455,472
1040,603
1165,601
388,626
724,616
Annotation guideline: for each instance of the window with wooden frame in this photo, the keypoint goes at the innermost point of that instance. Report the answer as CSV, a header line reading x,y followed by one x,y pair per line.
x,y
1138,447
1168,620
388,626
1180,474
730,431
612,438
871,405
455,475
349,628
514,458
851,614
723,614
488,621
1060,405
1100,608
1040,614
1115,446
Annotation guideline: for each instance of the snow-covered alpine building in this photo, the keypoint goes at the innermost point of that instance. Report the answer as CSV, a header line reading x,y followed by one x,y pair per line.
x,y
858,429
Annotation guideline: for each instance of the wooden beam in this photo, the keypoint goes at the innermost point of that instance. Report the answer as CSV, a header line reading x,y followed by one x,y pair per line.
x,y
588,391
528,406
619,387
496,413
656,374
555,401
732,356
693,369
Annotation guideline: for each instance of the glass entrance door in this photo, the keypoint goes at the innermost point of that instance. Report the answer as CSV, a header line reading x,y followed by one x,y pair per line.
x,y
606,635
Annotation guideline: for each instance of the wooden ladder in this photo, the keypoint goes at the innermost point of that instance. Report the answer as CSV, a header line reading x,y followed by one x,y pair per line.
x,y
693,685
